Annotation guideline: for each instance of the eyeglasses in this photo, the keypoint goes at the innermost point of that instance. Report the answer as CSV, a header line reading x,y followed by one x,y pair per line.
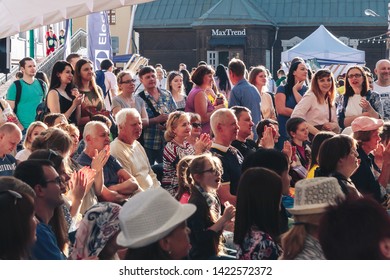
x,y
357,75
56,180
17,196
197,125
211,170
132,81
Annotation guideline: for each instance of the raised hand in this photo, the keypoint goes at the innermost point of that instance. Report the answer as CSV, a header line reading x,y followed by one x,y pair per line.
x,y
202,144
100,159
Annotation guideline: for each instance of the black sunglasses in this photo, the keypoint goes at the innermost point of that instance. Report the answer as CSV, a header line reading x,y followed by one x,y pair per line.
x,y
197,125
52,154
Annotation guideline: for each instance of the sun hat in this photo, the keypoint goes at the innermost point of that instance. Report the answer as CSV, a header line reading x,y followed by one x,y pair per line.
x,y
99,224
364,123
149,216
312,196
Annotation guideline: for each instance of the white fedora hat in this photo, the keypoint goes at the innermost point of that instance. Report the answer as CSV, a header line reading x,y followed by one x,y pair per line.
x,y
312,196
149,216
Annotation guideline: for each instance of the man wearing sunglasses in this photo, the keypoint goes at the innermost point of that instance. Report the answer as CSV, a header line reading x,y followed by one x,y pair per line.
x,y
41,176
10,136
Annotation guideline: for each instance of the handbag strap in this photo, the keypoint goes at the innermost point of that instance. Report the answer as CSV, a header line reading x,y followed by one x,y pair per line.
x,y
149,103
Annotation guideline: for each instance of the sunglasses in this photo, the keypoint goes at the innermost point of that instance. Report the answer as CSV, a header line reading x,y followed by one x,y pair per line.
x,y
17,196
196,125
52,154
132,81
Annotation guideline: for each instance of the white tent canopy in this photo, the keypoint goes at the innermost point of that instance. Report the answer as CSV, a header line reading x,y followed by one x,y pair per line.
x,y
22,15
326,48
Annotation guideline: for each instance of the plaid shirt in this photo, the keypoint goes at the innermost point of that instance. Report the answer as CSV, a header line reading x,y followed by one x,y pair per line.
x,y
153,136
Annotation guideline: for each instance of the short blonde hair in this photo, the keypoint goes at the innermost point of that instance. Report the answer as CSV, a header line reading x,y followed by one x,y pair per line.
x,y
27,141
174,119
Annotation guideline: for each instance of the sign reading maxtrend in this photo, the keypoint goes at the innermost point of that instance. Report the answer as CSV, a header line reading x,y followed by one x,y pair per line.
x,y
228,32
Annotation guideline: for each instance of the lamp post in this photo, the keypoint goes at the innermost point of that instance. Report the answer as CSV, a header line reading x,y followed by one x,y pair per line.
x,y
371,13
388,32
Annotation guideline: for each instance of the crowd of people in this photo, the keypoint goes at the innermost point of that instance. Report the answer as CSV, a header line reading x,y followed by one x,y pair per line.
x,y
221,163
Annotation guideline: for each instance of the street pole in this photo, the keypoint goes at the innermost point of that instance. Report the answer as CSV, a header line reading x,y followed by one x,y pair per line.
x,y
388,32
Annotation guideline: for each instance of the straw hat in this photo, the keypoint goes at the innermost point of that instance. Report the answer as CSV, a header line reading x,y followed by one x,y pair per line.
x,y
312,196
149,216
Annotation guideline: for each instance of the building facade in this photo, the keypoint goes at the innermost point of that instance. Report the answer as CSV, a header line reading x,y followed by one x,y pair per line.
x,y
256,31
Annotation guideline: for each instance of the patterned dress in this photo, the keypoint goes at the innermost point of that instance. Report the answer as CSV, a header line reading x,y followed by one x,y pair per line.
x,y
258,245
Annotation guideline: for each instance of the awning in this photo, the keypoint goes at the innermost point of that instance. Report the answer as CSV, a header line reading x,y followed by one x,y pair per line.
x,y
123,58
227,41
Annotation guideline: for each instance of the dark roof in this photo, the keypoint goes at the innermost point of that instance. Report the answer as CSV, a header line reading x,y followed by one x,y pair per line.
x,y
243,12
187,13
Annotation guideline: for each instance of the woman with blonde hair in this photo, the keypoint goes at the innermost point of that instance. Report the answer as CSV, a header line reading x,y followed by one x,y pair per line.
x,y
258,78
178,130
34,130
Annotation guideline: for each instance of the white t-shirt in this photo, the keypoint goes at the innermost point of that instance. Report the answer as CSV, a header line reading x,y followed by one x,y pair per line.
x,y
384,94
111,85
353,108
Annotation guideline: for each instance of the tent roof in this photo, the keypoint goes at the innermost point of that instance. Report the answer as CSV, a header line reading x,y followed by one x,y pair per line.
x,y
323,45
18,16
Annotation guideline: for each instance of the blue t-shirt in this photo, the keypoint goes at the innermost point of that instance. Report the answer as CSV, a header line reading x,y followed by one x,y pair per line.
x,y
110,169
46,248
247,95
7,165
282,120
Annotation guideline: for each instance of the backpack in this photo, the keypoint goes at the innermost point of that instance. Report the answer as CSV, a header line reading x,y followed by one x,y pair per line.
x,y
100,78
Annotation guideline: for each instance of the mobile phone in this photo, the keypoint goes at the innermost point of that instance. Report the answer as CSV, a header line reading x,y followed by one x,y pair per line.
x,y
219,100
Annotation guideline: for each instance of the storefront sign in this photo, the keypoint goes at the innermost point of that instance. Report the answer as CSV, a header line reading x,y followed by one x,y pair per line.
x,y
228,32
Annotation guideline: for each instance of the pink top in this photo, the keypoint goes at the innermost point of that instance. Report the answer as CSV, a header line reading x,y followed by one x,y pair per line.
x,y
190,107
313,112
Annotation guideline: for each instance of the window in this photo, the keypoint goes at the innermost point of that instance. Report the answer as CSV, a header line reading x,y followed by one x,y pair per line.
x,y
111,17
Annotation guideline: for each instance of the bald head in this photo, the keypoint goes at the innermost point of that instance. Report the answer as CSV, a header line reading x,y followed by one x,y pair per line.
x,y
10,136
382,70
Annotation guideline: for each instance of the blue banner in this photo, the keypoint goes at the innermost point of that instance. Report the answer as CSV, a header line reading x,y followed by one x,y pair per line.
x,y
67,43
99,39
